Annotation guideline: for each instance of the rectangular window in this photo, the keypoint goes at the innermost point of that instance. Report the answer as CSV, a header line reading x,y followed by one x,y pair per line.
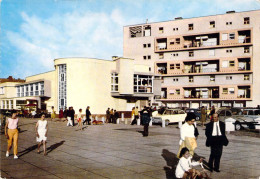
x,y
144,57
229,51
212,78
144,45
231,90
246,20
178,66
231,63
161,55
190,26
225,91
175,29
178,92
232,36
160,30
246,77
149,45
224,36
191,79
178,40
149,57
228,77
171,43
191,54
212,24
246,50
172,66
176,79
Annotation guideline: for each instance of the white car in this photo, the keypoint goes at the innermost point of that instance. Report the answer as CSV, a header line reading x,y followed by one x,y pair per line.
x,y
169,116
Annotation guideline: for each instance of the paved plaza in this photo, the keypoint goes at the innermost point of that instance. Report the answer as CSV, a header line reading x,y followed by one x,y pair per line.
x,y
119,151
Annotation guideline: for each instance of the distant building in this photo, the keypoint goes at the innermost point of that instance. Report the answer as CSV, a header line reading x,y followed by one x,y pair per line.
x,y
82,82
203,61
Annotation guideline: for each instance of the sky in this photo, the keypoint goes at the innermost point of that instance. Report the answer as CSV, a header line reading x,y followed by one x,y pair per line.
x,y
35,32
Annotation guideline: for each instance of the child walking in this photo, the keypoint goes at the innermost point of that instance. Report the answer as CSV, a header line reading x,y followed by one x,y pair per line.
x,y
79,117
41,129
184,168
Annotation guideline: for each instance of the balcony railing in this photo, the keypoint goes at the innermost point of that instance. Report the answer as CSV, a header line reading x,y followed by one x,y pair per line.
x,y
200,70
201,96
199,44
243,96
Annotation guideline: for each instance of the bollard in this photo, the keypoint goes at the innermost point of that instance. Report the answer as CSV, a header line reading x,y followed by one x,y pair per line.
x,y
180,124
122,116
163,123
151,122
103,120
117,121
138,121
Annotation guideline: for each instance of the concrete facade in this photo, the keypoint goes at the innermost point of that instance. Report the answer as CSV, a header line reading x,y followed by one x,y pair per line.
x,y
219,54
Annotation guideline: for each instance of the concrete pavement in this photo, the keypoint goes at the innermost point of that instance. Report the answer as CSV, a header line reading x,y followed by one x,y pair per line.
x,y
119,151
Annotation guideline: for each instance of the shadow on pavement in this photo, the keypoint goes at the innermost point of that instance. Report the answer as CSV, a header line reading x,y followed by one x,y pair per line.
x,y
171,161
29,149
54,146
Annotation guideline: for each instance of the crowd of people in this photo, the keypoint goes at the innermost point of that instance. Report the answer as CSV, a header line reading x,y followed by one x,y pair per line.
x,y
215,136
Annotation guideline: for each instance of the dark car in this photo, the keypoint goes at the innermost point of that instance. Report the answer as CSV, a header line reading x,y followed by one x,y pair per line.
x,y
197,112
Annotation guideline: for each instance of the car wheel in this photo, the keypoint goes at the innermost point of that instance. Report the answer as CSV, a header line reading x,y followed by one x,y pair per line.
x,y
167,122
238,126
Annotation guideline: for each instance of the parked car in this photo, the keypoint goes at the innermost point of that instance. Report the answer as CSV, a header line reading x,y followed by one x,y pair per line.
x,y
169,116
197,112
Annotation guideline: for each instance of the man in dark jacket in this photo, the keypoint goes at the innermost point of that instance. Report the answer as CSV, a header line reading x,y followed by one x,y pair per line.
x,y
88,114
146,118
216,138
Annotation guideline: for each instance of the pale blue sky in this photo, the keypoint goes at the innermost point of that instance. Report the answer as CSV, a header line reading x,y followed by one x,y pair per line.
x,y
35,32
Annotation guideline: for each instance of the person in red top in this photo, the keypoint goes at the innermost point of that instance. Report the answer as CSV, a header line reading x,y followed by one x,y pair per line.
x,y
61,114
11,133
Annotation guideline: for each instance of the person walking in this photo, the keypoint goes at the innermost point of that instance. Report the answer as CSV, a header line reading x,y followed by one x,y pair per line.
x,y
79,118
69,114
133,114
61,114
187,134
41,130
145,117
216,139
65,113
12,133
88,114
53,113
212,111
107,115
111,116
116,116
203,116
72,116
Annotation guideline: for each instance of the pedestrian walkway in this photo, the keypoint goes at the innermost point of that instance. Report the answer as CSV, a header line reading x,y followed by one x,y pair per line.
x,y
119,151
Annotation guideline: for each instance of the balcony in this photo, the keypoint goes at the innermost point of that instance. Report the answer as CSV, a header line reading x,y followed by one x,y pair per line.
x,y
201,67
244,64
244,92
161,68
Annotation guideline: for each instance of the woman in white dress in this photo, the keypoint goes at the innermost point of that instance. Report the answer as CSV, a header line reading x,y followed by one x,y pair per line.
x,y
41,129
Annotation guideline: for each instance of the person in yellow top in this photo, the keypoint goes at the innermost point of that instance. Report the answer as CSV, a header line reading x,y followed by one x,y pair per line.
x,y
136,113
53,113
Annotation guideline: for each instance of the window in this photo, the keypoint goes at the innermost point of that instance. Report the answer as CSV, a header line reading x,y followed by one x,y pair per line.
x,y
174,54
136,31
178,66
246,50
149,57
191,54
231,90
212,78
147,30
212,24
171,43
211,52
231,63
144,45
229,51
178,40
246,77
178,92
224,36
176,79
149,45
144,57
175,29
191,79
114,82
228,77
172,66
228,23
246,20
225,91
161,30
161,55
232,36
190,26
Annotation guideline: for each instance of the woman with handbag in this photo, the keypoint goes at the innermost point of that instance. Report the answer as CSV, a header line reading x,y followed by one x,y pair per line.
x,y
11,133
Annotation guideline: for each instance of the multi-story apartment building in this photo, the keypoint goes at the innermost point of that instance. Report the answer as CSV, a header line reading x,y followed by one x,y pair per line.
x,y
204,61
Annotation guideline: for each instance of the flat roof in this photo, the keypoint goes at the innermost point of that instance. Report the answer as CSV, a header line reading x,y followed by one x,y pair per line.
x,y
191,18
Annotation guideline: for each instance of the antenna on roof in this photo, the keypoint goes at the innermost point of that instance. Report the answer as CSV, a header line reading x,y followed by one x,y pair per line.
x,y
146,21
